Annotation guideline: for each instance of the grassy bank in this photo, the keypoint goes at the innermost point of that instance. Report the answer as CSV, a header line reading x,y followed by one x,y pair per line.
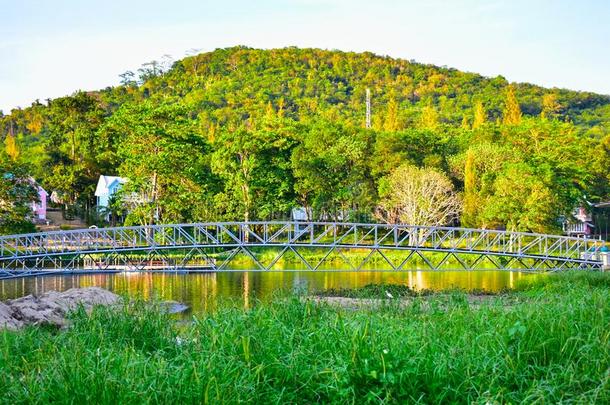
x,y
550,344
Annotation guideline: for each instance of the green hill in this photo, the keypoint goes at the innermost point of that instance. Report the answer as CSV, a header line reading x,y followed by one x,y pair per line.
x,y
331,84
251,133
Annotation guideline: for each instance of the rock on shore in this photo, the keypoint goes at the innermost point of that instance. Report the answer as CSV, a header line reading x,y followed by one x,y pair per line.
x,y
6,318
52,307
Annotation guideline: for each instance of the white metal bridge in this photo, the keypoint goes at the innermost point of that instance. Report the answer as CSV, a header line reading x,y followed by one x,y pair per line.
x,y
291,246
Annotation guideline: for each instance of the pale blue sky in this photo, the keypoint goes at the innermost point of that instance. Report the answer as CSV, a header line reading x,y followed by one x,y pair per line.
x,y
53,48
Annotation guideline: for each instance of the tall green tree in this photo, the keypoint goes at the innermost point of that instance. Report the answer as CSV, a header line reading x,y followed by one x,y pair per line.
x,y
471,198
72,146
521,201
480,116
559,155
420,147
254,166
391,119
330,169
429,117
11,148
512,110
550,106
165,161
17,193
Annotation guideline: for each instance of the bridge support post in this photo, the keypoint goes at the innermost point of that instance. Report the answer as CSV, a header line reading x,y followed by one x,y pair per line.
x,y
605,261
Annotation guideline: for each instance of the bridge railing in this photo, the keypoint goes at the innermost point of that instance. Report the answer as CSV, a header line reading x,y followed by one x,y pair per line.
x,y
312,234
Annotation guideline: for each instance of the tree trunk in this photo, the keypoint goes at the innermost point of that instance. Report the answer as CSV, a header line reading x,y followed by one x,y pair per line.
x,y
154,198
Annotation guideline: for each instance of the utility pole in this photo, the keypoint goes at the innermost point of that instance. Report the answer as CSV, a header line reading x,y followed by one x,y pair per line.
x,y
368,108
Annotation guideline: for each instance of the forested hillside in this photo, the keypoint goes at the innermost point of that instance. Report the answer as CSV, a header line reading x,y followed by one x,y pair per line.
x,y
248,134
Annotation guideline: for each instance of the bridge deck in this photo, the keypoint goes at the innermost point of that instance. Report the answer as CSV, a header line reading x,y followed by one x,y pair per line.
x,y
177,246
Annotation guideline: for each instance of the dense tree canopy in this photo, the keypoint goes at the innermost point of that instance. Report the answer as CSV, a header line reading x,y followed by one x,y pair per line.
x,y
242,133
17,192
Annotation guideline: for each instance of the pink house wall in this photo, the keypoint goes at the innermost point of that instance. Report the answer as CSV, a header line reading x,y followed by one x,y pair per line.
x,y
40,208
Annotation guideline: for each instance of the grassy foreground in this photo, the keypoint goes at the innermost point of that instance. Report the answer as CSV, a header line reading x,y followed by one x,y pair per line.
x,y
546,342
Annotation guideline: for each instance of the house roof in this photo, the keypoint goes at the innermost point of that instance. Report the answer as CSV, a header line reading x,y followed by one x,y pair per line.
x,y
299,214
105,182
39,188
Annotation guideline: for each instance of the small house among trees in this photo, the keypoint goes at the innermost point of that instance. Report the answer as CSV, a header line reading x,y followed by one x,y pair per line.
x,y
581,224
39,208
590,222
107,187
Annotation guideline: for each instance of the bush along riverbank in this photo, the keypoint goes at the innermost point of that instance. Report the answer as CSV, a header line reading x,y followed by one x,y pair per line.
x,y
546,342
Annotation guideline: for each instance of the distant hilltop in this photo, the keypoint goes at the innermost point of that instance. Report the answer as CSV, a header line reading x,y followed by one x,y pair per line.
x,y
308,83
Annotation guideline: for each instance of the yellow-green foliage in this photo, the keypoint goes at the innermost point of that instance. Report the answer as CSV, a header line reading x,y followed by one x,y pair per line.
x,y
11,147
512,110
243,132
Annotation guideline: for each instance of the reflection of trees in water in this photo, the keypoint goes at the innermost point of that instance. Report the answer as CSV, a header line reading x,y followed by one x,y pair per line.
x,y
202,290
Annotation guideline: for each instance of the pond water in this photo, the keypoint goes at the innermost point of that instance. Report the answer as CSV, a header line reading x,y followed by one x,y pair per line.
x,y
201,290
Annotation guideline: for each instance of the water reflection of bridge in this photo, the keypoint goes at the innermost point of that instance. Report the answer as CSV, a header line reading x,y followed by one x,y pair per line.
x,y
202,291
310,246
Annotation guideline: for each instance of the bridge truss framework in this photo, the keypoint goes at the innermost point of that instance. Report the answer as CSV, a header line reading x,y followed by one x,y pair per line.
x,y
215,246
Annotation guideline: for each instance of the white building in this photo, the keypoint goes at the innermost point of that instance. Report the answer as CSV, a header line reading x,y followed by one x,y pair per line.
x,y
107,186
301,214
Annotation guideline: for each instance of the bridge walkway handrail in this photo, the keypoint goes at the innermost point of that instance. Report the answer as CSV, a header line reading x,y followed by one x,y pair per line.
x,y
317,233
